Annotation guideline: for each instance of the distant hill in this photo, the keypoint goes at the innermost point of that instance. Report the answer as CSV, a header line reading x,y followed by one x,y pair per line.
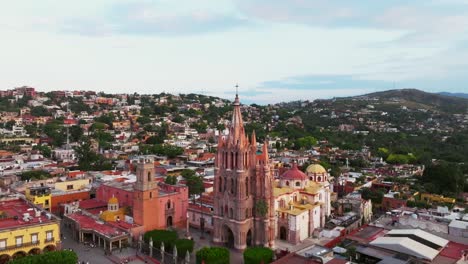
x,y
461,95
421,99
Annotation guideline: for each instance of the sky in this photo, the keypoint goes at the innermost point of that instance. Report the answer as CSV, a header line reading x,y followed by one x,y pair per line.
x,y
276,50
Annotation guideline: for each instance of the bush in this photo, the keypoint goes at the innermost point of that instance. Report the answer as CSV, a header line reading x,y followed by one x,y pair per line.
x,y
35,175
184,245
257,255
166,236
52,257
213,255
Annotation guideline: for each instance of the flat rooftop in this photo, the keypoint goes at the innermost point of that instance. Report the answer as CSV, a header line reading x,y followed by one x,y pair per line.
x,y
15,209
89,223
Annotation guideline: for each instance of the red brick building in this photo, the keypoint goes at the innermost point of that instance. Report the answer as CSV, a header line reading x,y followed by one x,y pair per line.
x,y
66,197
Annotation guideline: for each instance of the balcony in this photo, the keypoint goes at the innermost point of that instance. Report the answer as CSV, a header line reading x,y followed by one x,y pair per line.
x,y
23,245
48,240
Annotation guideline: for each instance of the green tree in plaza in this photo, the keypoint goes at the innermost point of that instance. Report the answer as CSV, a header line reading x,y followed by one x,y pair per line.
x,y
258,255
213,255
51,257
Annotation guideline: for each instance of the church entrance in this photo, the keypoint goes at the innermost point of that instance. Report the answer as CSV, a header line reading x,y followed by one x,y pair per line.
x,y
229,236
283,233
249,238
169,221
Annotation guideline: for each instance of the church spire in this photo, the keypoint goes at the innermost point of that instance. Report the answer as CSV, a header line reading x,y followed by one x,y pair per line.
x,y
237,132
254,140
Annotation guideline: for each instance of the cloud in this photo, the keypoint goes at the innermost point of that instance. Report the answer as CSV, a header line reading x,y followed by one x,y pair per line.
x,y
124,17
311,12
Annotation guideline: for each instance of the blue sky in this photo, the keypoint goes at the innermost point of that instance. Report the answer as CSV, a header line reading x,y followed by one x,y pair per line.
x,y
277,50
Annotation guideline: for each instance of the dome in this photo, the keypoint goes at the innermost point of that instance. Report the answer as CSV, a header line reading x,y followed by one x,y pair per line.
x,y
316,168
294,174
113,200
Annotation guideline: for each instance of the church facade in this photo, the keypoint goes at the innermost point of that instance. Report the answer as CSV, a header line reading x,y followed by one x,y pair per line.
x,y
244,213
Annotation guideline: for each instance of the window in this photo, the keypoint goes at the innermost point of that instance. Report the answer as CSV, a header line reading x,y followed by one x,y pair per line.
x,y
70,187
149,176
47,202
34,239
169,204
298,184
19,241
3,244
151,194
49,236
247,186
287,183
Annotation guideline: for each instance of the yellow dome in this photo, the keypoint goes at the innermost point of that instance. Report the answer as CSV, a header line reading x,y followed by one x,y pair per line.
x,y
113,200
316,168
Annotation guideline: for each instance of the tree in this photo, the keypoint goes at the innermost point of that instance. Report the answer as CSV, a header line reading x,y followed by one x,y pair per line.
x,y
45,150
143,120
76,132
172,180
35,175
86,156
39,111
261,208
375,196
258,255
187,173
51,257
184,245
445,178
195,185
213,255
159,236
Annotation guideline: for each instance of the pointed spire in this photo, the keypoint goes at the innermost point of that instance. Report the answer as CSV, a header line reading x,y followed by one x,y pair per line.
x,y
237,132
254,139
265,151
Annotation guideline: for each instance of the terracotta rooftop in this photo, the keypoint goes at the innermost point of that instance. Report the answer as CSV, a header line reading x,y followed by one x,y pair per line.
x,y
92,204
89,223
15,210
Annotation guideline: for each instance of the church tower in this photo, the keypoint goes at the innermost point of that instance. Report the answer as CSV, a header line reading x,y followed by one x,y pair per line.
x,y
145,206
243,196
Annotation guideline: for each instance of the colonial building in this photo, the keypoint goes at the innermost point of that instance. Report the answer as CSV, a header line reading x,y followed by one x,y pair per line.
x,y
26,229
243,190
302,202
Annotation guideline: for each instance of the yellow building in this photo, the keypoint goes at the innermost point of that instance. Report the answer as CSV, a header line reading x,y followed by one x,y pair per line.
x,y
26,229
113,213
40,196
428,197
72,185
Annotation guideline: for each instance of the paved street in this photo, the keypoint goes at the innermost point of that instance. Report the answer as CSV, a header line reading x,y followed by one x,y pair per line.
x,y
94,255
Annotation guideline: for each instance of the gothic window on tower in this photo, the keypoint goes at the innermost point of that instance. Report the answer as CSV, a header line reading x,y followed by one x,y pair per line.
x,y
149,176
247,186
169,204
232,186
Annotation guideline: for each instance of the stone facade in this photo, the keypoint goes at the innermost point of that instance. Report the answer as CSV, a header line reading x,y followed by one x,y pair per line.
x,y
243,187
